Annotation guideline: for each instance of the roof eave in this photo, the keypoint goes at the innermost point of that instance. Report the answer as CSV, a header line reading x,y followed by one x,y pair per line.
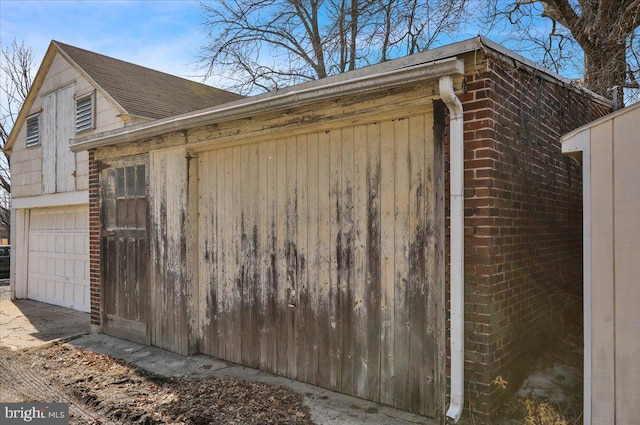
x,y
270,102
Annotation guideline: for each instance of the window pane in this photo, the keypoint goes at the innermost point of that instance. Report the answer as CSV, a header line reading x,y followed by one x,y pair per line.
x,y
111,183
120,187
131,181
141,180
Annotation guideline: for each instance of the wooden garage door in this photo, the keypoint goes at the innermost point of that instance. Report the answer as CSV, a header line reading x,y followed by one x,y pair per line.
x,y
320,258
59,256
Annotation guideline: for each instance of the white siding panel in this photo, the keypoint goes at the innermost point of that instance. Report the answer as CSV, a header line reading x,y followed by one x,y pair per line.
x,y
58,162
66,166
49,143
626,220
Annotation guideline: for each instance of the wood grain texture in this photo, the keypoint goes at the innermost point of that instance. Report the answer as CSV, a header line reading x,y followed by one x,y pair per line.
x,y
319,253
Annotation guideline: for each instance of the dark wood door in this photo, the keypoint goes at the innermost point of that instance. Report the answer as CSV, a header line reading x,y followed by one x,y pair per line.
x,y
125,252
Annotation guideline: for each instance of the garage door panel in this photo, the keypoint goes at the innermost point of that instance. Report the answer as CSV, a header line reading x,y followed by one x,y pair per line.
x,y
326,236
58,260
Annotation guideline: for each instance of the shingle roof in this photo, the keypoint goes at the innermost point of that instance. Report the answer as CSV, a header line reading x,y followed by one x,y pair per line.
x,y
143,91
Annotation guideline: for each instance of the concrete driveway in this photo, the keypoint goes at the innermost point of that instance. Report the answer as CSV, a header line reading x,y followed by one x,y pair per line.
x,y
26,323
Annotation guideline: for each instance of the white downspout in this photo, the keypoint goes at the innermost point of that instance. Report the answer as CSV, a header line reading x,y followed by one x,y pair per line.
x,y
456,212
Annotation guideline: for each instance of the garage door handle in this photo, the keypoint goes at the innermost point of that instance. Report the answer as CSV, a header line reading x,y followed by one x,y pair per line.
x,y
107,233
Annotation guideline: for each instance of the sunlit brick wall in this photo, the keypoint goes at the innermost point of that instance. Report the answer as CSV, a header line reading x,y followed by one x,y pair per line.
x,y
523,224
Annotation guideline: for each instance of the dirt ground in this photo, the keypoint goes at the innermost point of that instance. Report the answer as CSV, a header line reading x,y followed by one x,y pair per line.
x,y
102,390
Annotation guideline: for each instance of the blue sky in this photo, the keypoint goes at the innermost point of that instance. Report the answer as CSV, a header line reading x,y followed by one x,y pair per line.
x,y
163,35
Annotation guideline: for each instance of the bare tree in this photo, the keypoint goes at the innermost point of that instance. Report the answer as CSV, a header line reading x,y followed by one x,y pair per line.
x,y
16,70
263,45
606,31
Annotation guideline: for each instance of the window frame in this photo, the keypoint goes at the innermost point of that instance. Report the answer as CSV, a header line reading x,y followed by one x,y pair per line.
x,y
35,117
92,112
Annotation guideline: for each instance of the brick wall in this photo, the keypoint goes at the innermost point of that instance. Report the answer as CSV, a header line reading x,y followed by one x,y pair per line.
x,y
94,240
523,224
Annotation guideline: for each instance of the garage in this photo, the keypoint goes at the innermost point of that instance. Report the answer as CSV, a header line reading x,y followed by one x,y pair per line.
x,y
306,243
58,256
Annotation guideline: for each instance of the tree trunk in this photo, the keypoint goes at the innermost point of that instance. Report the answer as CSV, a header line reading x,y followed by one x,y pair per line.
x,y
605,68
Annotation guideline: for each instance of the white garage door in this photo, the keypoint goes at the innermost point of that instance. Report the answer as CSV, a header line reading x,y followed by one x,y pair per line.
x,y
59,257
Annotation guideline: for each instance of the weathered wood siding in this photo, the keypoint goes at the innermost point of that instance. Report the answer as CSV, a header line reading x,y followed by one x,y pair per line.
x,y
320,256
57,127
169,285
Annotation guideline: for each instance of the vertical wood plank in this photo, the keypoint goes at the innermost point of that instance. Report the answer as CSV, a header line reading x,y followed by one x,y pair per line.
x,y
291,255
373,283
170,261
270,358
360,347
302,324
225,295
218,224
436,357
401,312
206,191
235,219
193,292
335,301
346,250
160,217
324,260
48,143
283,314
264,253
216,203
183,294
254,252
313,263
433,181
417,307
243,273
387,225
64,131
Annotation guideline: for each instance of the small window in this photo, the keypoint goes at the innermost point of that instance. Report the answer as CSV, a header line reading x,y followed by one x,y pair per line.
x,y
84,113
33,130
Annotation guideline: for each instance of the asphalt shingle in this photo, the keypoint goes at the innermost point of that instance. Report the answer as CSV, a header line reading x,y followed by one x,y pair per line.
x,y
143,91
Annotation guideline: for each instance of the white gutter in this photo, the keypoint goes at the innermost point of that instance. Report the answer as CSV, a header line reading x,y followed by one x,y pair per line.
x,y
275,101
456,171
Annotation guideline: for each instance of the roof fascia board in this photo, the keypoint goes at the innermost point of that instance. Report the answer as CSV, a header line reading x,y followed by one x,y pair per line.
x,y
320,90
90,79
